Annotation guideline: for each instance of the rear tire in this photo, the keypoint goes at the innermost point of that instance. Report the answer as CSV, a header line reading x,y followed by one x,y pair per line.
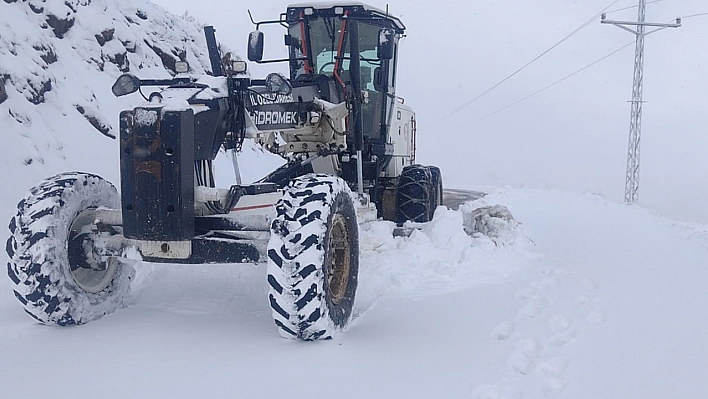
x,y
415,195
53,266
436,179
313,258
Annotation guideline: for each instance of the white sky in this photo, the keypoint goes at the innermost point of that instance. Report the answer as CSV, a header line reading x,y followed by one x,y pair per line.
x,y
572,136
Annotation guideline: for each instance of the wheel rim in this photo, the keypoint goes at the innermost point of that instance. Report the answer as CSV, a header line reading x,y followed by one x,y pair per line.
x,y
339,259
89,273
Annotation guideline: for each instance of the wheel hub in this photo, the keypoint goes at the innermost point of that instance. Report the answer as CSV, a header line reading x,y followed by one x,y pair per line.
x,y
339,259
89,271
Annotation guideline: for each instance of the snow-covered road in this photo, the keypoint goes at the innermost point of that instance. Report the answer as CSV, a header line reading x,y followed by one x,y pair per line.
x,y
584,299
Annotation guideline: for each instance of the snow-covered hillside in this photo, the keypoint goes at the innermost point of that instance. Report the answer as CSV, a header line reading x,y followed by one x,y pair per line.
x,y
58,60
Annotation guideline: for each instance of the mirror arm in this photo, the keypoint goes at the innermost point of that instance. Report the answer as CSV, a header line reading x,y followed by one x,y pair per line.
x,y
272,61
165,82
258,24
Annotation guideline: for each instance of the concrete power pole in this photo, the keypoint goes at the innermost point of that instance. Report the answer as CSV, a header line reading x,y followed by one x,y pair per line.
x,y
631,189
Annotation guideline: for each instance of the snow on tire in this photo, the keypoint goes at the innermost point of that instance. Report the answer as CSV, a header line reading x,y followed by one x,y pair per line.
x,y
313,258
55,273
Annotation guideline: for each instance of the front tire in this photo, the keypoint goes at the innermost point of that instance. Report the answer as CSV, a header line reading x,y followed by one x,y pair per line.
x,y
56,273
313,258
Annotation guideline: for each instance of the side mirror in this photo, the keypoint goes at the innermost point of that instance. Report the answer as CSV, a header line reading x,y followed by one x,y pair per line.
x,y
386,40
277,83
126,84
255,46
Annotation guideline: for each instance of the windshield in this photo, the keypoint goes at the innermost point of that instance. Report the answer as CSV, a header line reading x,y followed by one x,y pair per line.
x,y
326,41
328,53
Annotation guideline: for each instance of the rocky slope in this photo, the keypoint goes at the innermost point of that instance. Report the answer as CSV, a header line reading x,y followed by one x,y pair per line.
x,y
58,60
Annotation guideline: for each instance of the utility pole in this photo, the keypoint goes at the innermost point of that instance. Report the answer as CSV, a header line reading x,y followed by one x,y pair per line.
x,y
631,189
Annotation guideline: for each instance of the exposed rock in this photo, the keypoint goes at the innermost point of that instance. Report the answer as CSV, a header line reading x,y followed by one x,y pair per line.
x,y
129,45
100,63
20,118
105,36
71,6
37,91
60,26
95,122
168,60
3,92
47,54
121,61
36,9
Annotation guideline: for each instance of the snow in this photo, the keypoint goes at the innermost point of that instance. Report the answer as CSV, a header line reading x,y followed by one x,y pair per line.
x,y
578,296
584,303
145,117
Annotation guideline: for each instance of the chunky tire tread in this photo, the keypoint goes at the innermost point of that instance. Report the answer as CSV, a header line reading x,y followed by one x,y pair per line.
x,y
415,194
37,248
436,180
298,292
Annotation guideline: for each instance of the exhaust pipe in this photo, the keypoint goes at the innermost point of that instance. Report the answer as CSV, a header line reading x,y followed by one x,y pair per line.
x,y
355,69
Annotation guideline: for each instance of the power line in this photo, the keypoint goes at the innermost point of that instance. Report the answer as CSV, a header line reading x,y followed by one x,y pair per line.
x,y
571,34
695,15
557,82
652,2
632,7
546,52
576,72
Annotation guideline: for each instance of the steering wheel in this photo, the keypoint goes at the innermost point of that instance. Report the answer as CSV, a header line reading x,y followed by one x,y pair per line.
x,y
326,65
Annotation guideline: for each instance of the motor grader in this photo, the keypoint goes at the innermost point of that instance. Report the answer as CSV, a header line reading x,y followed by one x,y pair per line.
x,y
349,145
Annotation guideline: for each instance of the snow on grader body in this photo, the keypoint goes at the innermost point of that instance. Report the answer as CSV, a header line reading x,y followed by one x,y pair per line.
x,y
349,142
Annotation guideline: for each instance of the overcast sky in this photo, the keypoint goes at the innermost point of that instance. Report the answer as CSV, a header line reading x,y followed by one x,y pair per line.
x,y
572,136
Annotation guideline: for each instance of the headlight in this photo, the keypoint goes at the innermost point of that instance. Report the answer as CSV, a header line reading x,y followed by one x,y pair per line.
x,y
239,66
181,67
